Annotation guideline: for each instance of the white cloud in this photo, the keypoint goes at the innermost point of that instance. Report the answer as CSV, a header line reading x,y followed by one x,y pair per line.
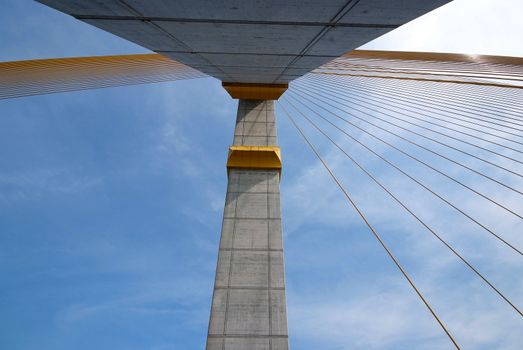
x,y
462,26
35,184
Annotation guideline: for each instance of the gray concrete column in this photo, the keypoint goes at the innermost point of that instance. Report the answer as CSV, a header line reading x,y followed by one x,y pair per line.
x,y
248,306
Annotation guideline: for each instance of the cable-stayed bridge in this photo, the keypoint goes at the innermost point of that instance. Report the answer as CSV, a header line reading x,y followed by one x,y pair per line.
x,y
445,115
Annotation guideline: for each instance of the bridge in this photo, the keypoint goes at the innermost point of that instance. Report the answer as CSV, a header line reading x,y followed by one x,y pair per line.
x,y
419,116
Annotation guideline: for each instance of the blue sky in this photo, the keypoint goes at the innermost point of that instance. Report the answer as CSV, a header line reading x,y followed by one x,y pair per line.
x,y
111,203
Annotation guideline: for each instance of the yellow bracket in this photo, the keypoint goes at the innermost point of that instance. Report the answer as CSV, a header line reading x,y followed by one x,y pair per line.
x,y
248,91
254,157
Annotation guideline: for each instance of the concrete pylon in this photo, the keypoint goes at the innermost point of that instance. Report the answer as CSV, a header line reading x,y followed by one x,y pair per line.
x,y
248,306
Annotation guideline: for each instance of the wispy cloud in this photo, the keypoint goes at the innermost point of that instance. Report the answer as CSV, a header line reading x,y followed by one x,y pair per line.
x,y
36,184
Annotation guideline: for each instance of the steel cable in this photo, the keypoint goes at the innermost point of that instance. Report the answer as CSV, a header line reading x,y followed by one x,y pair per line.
x,y
421,97
375,234
490,231
398,105
329,97
413,143
351,96
416,217
443,90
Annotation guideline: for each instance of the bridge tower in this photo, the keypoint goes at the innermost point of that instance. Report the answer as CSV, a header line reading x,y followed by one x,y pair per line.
x,y
248,305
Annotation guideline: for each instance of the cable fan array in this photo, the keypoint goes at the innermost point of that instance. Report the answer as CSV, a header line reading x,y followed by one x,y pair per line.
x,y
464,112
38,77
424,66
448,115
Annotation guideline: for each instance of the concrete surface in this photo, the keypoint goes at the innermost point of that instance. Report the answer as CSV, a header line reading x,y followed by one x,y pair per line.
x,y
249,41
248,306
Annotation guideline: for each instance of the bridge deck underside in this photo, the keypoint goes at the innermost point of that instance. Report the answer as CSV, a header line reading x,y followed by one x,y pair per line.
x,y
272,41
